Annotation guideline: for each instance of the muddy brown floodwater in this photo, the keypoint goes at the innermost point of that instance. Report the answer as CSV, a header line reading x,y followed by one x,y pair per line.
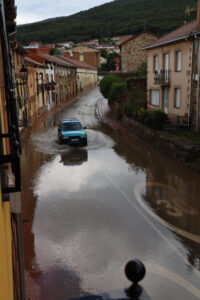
x,y
87,211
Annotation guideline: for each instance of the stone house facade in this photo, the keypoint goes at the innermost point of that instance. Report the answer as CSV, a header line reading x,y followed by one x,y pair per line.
x,y
60,81
20,84
49,75
58,78
132,55
37,87
86,75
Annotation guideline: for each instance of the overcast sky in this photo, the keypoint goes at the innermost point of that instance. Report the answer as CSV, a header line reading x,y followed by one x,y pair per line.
x,y
29,11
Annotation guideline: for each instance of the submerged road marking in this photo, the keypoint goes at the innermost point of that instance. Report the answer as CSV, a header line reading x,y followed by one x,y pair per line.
x,y
160,271
195,270
137,191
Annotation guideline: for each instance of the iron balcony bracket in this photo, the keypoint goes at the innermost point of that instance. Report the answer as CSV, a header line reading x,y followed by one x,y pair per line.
x,y
4,135
15,164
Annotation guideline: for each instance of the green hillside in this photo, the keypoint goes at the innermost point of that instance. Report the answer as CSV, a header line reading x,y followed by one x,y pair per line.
x,y
119,17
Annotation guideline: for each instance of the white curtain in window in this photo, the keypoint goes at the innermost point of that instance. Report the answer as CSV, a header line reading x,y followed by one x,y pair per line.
x,y
155,97
178,60
178,97
156,63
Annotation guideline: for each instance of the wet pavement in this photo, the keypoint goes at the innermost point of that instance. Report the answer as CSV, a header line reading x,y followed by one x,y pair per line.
x,y
88,210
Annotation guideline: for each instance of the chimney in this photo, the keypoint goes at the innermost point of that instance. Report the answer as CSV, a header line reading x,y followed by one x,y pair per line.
x,y
198,14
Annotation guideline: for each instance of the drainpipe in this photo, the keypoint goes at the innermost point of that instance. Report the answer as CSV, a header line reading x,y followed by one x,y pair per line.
x,y
191,69
198,89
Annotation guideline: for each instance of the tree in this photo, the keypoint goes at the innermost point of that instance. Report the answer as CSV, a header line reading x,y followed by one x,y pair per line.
x,y
103,53
111,64
55,51
142,70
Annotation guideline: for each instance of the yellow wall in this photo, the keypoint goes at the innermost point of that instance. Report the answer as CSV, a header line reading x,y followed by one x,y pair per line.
x,y
6,273
87,77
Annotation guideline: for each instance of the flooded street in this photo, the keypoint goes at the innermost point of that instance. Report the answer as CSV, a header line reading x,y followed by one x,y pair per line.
x,y
87,211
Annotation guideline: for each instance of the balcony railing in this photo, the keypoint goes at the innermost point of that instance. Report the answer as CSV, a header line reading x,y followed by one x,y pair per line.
x,y
162,77
9,160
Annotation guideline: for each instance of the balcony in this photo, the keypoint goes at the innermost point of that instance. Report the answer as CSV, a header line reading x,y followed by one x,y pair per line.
x,y
162,77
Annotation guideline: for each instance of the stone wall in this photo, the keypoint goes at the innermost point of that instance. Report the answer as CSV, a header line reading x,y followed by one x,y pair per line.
x,y
187,154
174,149
132,55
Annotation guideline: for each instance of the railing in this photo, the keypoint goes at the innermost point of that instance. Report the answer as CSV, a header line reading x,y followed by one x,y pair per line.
x,y
162,77
179,121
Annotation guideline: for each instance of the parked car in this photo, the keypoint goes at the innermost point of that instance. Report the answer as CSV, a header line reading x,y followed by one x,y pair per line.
x,y
71,131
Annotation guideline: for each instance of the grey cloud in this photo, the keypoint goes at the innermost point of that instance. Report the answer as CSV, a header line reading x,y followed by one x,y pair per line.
x,y
37,10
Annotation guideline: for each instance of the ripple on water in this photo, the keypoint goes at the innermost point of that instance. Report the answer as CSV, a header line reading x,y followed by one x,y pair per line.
x,y
47,142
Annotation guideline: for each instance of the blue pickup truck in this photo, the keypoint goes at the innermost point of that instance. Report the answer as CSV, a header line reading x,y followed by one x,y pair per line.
x,y
71,131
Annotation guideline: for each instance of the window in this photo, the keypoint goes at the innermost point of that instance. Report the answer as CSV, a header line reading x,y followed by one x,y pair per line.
x,y
155,63
166,61
155,97
178,61
177,98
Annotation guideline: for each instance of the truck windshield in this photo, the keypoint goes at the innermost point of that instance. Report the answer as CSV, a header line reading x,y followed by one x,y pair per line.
x,y
71,126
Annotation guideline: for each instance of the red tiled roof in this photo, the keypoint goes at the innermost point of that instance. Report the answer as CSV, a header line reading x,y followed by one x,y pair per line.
x,y
33,62
125,38
175,35
55,60
134,36
77,63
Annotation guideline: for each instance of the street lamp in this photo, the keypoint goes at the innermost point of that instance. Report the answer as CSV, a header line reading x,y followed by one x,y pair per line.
x,y
23,73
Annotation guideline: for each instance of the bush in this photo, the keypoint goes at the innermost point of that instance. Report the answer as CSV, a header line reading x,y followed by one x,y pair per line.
x,y
142,70
117,89
137,101
106,84
138,95
155,119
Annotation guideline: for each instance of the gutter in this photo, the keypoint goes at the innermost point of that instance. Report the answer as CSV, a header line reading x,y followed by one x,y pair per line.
x,y
166,42
189,106
171,41
198,89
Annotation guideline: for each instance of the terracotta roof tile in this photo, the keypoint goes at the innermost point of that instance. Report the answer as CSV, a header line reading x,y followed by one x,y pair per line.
x,y
77,63
135,36
34,62
177,34
55,60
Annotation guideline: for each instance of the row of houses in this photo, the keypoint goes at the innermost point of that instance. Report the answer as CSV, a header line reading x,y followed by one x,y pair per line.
x,y
12,282
173,70
43,81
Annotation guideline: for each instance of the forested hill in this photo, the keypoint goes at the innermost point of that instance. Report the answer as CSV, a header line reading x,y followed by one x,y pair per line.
x,y
119,17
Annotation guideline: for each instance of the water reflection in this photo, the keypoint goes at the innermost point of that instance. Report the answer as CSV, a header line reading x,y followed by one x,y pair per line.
x,y
79,231
171,191
74,157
